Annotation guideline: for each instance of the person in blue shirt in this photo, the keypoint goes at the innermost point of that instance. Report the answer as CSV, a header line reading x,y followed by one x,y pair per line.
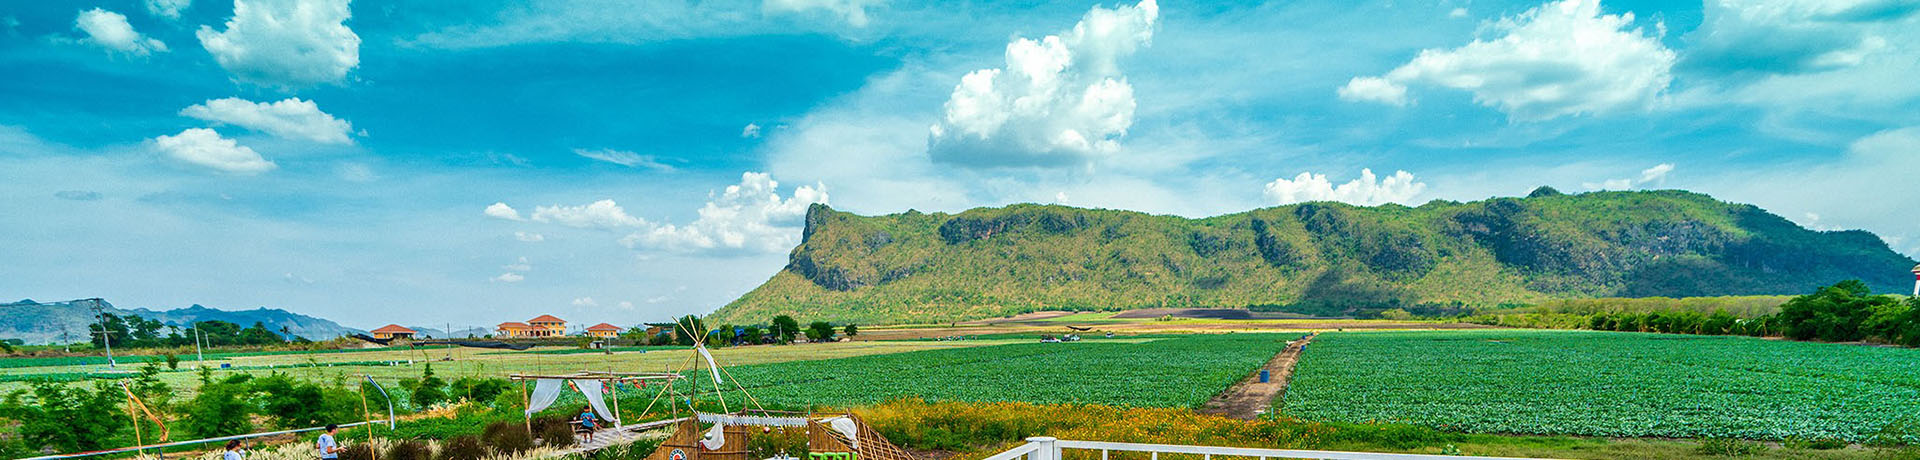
x,y
233,451
328,448
586,422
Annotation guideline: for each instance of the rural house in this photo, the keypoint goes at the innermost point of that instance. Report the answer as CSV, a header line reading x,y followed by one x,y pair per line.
x,y
393,331
603,331
542,326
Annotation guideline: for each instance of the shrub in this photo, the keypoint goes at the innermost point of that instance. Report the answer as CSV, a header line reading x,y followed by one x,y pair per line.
x,y
361,451
1730,447
507,437
557,435
409,450
462,448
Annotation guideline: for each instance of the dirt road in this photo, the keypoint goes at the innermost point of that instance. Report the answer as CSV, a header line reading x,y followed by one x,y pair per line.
x,y
1249,398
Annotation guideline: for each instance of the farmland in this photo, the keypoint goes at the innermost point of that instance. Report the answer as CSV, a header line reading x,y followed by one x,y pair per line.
x,y
1607,384
1179,372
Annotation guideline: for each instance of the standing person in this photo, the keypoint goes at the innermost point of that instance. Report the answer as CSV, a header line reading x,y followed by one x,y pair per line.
x,y
586,422
233,451
328,448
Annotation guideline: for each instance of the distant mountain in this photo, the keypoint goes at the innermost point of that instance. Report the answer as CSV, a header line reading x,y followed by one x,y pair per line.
x,y
1325,259
457,333
36,322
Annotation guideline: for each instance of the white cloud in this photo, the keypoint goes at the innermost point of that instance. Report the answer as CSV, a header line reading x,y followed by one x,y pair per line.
x,y
509,278
1059,99
169,9
854,12
285,43
1559,59
111,31
529,237
599,214
1654,175
1787,36
1457,13
751,131
626,305
750,216
502,211
204,147
291,118
518,265
1368,190
357,172
1374,89
585,302
623,158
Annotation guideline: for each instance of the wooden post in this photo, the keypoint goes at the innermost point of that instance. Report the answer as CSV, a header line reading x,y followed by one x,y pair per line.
x,y
616,405
367,415
134,417
529,411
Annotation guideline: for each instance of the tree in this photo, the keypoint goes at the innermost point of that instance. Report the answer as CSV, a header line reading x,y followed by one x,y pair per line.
x,y
852,330
430,391
688,328
1832,314
68,418
785,328
220,409
754,335
820,331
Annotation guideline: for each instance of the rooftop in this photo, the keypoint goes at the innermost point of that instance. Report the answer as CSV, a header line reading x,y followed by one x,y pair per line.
x,y
546,319
393,329
603,327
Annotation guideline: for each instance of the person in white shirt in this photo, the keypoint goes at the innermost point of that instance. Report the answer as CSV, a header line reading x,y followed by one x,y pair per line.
x,y
328,448
233,451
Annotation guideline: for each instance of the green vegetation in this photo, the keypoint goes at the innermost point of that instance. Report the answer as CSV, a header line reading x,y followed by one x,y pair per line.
x,y
1175,372
1844,312
1323,259
1611,384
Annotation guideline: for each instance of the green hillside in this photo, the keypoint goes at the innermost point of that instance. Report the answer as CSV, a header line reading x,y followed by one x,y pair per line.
x,y
1316,258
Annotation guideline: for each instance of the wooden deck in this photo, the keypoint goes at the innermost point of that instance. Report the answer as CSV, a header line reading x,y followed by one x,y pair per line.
x,y
611,437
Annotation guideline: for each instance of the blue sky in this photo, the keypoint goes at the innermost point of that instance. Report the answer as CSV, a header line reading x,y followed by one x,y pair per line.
x,y
425,162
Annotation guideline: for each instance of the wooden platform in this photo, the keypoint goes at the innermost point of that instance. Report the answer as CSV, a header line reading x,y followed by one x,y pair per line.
x,y
616,436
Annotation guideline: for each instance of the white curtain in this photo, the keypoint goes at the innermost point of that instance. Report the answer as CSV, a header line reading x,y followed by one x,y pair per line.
x,y
845,426
545,392
716,437
711,367
591,388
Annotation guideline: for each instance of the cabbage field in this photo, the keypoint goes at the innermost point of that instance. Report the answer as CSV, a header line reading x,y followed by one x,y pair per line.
x,y
1183,371
1608,384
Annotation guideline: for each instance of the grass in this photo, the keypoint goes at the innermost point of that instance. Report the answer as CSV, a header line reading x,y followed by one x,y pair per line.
x,y
1609,384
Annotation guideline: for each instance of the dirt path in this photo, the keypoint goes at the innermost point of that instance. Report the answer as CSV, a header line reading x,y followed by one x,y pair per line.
x,y
1249,398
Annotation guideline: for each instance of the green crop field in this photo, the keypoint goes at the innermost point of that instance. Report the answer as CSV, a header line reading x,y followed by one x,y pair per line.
x,y
1607,384
1182,371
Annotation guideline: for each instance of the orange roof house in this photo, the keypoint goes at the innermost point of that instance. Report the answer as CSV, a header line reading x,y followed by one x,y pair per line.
x,y
393,331
541,326
603,330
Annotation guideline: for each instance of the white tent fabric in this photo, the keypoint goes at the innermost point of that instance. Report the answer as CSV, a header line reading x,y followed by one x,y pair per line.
x,y
592,390
711,367
845,426
545,392
716,437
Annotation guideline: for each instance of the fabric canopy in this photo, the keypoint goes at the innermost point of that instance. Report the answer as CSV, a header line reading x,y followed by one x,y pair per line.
x,y
592,390
545,392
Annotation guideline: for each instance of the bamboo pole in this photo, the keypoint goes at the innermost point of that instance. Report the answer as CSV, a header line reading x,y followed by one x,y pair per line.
x,y
133,417
529,411
367,414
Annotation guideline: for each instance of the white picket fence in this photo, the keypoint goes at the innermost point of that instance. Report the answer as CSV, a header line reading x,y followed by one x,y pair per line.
x,y
1047,448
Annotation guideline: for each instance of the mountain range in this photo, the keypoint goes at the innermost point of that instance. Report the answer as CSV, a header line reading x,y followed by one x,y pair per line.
x,y
1321,258
53,322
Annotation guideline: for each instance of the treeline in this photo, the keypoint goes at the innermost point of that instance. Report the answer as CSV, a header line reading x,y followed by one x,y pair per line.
x,y
133,331
1844,312
782,330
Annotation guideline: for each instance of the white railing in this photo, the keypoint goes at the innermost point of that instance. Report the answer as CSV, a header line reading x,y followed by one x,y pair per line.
x,y
1047,448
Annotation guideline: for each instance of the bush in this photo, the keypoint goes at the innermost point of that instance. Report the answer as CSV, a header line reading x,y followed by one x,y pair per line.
x,y
409,450
507,438
1729,447
361,451
462,448
557,435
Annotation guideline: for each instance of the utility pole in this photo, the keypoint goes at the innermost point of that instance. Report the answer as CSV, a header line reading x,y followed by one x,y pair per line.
x,y
199,358
105,338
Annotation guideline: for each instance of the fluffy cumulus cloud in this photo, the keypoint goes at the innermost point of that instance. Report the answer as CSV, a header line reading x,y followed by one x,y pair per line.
x,y
285,43
1788,36
169,9
751,131
1368,190
204,147
1655,175
292,118
623,158
750,217
603,214
854,12
1059,100
110,31
1559,59
509,278
502,211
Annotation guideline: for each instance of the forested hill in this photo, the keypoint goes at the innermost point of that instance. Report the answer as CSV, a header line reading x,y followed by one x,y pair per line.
x,y
49,322
1315,258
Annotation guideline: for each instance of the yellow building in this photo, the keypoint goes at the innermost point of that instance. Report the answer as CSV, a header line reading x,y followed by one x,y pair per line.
x,y
603,330
393,331
542,326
